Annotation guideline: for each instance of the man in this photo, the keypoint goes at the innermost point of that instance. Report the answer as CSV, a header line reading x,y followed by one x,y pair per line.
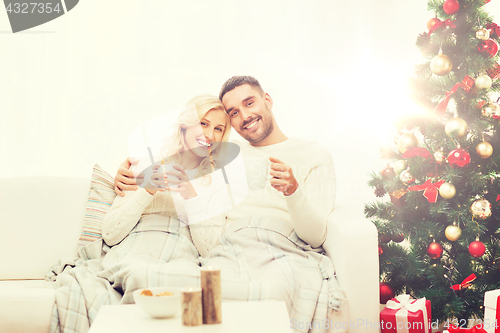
x,y
302,171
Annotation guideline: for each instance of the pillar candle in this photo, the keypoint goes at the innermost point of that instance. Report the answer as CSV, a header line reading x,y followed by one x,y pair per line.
x,y
211,295
192,312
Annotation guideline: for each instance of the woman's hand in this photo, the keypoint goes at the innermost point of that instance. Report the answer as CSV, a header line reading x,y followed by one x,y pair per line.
x,y
185,187
158,179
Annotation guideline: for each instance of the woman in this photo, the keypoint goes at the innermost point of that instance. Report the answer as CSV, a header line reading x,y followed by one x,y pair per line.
x,y
147,241
193,147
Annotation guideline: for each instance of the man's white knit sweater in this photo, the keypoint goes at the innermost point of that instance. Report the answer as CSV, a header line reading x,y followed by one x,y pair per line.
x,y
307,208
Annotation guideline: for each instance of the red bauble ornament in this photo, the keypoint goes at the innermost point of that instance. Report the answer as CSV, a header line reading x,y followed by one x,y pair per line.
x,y
380,250
398,237
386,292
451,7
435,250
384,237
458,158
432,22
477,249
489,46
388,173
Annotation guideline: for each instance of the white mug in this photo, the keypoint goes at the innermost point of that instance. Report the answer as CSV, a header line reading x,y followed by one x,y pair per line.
x,y
167,168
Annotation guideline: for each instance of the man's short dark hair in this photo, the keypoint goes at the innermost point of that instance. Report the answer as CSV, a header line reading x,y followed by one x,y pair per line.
x,y
237,81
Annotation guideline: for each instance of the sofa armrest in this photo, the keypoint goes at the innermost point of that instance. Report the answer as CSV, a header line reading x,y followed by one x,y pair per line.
x,y
352,244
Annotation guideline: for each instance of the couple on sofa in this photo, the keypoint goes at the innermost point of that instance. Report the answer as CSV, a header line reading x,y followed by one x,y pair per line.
x,y
268,246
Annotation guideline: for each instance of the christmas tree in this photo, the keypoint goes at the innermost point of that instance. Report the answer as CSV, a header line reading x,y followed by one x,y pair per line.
x,y
439,234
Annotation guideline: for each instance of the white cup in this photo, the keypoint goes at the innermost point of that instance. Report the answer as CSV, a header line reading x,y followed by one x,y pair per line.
x,y
257,172
168,168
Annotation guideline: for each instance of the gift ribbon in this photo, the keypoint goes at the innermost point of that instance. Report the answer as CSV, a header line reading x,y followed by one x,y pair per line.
x,y
441,108
494,72
406,304
438,25
416,151
494,28
430,190
466,283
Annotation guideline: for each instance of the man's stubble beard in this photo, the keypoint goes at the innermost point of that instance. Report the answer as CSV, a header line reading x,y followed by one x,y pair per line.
x,y
267,131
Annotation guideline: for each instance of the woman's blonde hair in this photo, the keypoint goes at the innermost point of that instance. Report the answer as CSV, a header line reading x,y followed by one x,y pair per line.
x,y
192,114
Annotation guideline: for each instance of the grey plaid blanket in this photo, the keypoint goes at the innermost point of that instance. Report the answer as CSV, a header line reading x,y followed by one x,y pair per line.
x,y
260,259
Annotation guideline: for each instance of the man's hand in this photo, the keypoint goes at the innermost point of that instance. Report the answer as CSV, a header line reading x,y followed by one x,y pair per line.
x,y
124,179
283,179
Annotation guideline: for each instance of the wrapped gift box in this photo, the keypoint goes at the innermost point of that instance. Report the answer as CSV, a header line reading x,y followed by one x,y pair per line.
x,y
491,311
406,315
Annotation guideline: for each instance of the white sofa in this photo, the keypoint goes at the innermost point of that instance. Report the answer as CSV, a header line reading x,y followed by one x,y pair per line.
x,y
41,221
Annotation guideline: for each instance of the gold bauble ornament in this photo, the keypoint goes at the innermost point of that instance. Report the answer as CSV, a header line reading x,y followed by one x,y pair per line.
x,y
483,82
400,166
456,128
406,141
491,109
483,34
484,149
439,156
453,232
441,64
447,190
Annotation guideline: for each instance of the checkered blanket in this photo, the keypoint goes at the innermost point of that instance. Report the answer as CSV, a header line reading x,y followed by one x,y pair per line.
x,y
153,254
260,259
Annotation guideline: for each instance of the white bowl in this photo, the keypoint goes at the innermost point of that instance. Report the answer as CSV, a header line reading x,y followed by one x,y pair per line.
x,y
159,306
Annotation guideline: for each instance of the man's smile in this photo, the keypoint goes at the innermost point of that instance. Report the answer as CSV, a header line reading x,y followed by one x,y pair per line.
x,y
252,124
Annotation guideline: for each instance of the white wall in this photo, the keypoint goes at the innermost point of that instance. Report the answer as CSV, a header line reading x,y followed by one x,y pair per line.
x,y
73,89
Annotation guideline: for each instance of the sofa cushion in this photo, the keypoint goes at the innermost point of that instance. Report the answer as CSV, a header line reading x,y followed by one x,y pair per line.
x,y
100,199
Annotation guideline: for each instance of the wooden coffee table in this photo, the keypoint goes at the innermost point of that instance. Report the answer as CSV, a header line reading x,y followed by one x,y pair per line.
x,y
241,317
